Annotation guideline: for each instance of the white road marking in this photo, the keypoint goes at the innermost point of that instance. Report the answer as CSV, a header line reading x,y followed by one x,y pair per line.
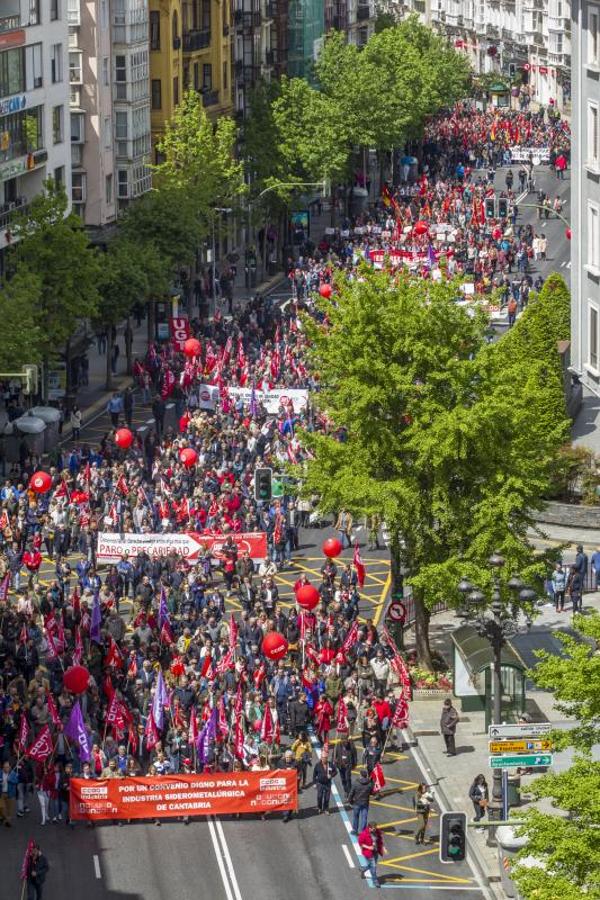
x,y
227,854
97,866
348,857
220,861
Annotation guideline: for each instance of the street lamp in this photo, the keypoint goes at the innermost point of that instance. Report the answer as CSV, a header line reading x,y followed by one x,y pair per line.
x,y
496,624
221,210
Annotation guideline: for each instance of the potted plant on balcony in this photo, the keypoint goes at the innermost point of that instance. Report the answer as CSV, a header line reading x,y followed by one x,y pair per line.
x,y
31,138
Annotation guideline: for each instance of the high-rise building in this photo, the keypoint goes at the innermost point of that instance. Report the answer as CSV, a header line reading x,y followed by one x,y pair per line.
x,y
34,104
585,193
254,43
306,27
190,48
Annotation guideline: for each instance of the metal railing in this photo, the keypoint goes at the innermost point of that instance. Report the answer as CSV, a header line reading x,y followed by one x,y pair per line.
x,y
196,40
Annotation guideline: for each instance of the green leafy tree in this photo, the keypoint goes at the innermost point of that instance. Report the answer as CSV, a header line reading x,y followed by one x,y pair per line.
x,y
566,844
22,337
433,444
54,248
167,220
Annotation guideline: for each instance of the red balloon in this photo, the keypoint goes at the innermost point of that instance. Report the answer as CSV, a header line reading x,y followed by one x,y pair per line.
x,y
192,347
40,482
332,547
274,645
326,291
76,679
568,233
421,228
124,438
188,457
307,596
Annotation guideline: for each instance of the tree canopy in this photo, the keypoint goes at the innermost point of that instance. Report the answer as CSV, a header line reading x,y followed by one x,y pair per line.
x,y
22,336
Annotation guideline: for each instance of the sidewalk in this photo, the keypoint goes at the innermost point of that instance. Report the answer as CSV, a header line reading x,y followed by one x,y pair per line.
x,y
458,773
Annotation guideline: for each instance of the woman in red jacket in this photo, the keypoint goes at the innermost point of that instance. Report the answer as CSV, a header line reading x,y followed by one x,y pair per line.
x,y
370,841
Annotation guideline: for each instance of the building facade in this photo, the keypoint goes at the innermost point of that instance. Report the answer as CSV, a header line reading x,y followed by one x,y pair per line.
x,y
34,105
190,48
525,41
254,47
585,194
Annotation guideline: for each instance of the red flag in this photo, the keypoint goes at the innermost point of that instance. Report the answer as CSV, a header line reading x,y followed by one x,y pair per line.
x,y
166,635
400,717
377,777
23,636
238,740
78,652
259,675
52,709
233,632
225,663
206,665
23,735
267,728
108,687
114,716
239,701
351,638
193,729
132,668
359,565
122,485
114,657
341,724
132,739
42,746
150,732
27,860
76,601
222,723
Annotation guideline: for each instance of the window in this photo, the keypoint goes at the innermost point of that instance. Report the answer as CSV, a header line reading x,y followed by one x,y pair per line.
x,y
105,72
108,189
155,31
107,132
156,93
120,68
176,91
207,77
59,176
77,128
58,124
121,126
122,183
196,76
56,63
593,137
103,14
593,254
593,55
593,332
225,67
34,12
75,67
54,10
12,72
78,187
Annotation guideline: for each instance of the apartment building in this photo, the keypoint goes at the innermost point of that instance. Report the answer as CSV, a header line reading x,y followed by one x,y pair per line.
x,y
585,194
34,104
190,48
529,40
254,48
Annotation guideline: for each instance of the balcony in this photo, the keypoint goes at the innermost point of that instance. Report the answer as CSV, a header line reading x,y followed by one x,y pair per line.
x,y
270,57
225,30
248,20
9,211
9,23
363,12
210,98
195,40
270,10
176,43
73,13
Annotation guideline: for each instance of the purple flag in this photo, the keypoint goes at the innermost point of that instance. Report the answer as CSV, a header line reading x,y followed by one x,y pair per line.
x,y
96,620
163,609
253,406
206,736
431,255
4,586
76,730
159,702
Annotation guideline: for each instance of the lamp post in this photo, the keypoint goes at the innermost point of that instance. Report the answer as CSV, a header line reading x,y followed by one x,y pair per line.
x,y
496,623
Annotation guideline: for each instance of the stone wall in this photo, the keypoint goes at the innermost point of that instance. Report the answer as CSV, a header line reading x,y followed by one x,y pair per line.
x,y
569,515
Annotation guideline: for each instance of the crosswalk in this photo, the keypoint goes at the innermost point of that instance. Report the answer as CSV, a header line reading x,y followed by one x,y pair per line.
x,y
566,264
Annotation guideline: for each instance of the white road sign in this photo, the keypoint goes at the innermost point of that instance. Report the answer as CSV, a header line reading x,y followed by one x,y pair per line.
x,y
526,729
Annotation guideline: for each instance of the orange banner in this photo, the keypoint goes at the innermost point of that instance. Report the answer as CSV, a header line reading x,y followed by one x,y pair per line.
x,y
184,795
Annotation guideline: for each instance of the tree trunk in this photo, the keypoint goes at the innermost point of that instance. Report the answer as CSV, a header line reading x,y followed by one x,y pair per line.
x,y
128,345
422,619
333,204
150,320
263,251
109,348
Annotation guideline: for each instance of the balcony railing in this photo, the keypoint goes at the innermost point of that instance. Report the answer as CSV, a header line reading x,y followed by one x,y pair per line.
x,y
9,211
9,23
362,13
196,40
270,9
210,98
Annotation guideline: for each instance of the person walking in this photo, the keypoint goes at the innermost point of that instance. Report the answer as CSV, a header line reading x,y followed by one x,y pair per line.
x,y
575,588
448,722
289,762
559,583
343,526
8,793
76,417
37,871
423,801
114,408
359,797
158,411
302,749
323,774
480,796
345,758
371,845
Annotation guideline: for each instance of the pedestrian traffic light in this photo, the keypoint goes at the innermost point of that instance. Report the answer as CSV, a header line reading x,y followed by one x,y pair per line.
x,y
453,837
263,484
490,207
503,207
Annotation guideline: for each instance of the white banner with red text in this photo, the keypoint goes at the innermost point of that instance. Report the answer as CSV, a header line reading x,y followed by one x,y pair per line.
x,y
190,545
274,400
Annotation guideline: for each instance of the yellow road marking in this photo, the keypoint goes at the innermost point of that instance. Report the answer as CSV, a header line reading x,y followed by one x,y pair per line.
x,y
384,594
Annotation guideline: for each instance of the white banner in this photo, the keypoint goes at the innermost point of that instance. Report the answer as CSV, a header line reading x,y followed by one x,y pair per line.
x,y
272,400
539,155
189,545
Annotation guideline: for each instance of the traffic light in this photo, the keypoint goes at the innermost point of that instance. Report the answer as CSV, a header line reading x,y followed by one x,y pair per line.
x,y
398,587
490,207
503,207
453,837
263,484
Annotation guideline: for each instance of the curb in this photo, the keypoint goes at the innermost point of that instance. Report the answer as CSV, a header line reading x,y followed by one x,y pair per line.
x,y
473,858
